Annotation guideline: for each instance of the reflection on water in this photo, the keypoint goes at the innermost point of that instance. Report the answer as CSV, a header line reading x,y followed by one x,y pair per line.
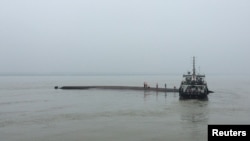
x,y
201,99
194,115
188,117
194,110
147,94
191,110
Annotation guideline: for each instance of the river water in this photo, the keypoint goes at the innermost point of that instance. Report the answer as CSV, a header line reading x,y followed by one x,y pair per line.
x,y
32,110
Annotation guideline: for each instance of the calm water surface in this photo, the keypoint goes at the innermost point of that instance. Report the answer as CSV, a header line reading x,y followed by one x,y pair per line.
x,y
32,110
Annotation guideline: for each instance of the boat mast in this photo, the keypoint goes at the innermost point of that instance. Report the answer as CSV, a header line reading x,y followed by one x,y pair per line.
x,y
194,78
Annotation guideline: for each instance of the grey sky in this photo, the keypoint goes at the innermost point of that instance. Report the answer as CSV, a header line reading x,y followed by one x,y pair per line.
x,y
124,36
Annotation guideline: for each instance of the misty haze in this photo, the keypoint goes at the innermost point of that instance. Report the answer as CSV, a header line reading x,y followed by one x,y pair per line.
x,y
136,52
132,36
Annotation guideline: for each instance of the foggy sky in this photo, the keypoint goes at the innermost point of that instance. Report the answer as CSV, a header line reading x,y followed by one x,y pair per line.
x,y
124,36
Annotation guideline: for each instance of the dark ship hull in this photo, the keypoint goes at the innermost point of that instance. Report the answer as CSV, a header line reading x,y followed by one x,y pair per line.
x,y
185,95
193,92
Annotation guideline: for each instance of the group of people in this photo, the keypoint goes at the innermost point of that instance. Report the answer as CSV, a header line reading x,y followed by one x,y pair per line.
x,y
147,86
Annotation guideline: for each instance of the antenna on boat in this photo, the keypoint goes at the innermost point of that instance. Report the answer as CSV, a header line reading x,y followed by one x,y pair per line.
x,y
194,68
194,65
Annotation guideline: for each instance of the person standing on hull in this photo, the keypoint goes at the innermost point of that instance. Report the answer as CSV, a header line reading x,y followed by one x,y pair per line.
x,y
145,85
